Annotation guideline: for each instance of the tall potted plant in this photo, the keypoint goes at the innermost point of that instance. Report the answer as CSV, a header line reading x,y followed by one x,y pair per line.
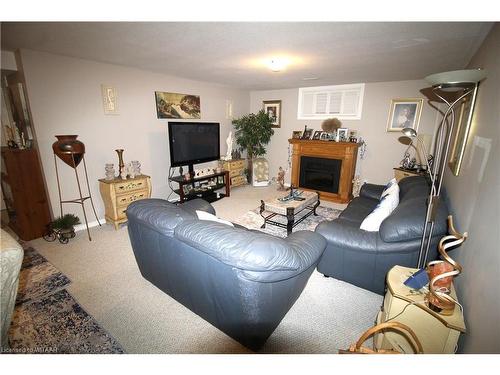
x,y
253,132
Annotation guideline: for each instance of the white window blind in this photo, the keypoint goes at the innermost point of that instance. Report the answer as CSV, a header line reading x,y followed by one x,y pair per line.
x,y
341,101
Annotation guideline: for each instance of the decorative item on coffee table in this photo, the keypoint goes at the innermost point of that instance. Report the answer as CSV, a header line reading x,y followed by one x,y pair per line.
x,y
71,151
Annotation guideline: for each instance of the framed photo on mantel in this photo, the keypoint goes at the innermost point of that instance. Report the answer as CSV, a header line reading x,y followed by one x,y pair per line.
x,y
273,110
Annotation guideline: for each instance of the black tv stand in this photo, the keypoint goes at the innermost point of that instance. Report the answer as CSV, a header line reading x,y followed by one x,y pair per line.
x,y
200,187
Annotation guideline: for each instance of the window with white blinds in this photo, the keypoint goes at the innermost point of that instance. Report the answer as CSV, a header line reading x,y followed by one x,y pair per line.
x,y
341,101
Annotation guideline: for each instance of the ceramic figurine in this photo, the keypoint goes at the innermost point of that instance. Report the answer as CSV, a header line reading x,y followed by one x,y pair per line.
x,y
281,179
123,175
229,142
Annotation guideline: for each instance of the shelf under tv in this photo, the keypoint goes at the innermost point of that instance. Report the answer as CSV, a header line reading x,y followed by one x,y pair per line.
x,y
191,189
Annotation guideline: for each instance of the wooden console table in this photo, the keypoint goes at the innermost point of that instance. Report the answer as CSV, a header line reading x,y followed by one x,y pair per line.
x,y
346,152
117,194
199,187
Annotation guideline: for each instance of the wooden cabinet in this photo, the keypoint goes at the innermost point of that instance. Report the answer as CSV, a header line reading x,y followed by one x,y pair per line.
x,y
117,194
236,169
437,333
24,193
400,173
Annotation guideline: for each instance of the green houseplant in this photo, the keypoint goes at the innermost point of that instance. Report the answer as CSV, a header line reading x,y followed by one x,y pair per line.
x,y
253,132
63,228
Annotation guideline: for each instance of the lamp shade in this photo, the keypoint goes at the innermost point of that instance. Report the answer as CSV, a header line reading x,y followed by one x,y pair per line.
x,y
457,77
409,132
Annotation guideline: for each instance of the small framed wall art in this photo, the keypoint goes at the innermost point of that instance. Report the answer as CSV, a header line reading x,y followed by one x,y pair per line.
x,y
273,110
404,113
109,101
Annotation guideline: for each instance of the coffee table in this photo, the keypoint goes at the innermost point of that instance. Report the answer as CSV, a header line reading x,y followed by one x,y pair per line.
x,y
289,209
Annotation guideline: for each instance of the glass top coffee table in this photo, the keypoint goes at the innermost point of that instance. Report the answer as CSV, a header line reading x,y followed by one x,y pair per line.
x,y
289,209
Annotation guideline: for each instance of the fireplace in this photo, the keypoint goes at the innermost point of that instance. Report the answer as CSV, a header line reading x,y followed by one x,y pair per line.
x,y
320,174
325,167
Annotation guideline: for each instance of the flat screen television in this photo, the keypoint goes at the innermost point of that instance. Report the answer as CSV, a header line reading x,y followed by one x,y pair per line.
x,y
193,142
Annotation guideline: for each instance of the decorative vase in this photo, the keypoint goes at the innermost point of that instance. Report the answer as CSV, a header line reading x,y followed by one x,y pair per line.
x,y
121,164
69,149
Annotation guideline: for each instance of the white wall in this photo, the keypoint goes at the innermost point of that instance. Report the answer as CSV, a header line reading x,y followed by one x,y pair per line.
x,y
384,151
475,203
65,98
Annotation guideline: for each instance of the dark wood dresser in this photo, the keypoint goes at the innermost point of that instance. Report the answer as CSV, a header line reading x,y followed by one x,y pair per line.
x,y
24,193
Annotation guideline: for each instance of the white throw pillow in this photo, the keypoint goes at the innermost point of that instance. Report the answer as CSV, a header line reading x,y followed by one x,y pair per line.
x,y
202,215
391,199
387,204
390,187
372,222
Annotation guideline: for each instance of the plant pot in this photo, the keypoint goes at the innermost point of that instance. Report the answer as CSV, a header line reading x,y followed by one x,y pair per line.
x,y
69,149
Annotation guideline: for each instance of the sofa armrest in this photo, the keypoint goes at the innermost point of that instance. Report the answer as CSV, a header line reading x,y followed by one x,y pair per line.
x,y
198,204
343,234
157,214
371,191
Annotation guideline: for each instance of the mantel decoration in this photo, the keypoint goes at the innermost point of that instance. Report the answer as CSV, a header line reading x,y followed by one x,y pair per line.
x,y
463,83
71,151
404,113
252,133
441,272
273,110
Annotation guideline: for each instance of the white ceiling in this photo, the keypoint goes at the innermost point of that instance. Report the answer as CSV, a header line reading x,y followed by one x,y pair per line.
x,y
231,53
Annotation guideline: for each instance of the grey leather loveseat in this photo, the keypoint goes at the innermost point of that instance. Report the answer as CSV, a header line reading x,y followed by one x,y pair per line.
x,y
243,282
363,258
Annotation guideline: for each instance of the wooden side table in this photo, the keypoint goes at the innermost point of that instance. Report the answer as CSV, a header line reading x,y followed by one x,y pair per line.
x,y
236,169
437,333
117,194
400,173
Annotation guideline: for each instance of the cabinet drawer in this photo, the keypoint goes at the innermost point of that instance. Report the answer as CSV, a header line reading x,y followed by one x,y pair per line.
x,y
121,212
237,164
126,199
238,180
234,173
130,185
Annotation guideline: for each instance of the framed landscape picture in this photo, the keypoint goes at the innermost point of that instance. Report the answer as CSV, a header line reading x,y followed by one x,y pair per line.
x,y
174,105
273,110
404,113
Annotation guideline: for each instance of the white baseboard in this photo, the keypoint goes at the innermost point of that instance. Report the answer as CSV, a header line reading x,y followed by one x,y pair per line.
x,y
94,223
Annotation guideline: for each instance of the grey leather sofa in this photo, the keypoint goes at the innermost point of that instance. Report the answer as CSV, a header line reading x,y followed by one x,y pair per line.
x,y
363,258
243,282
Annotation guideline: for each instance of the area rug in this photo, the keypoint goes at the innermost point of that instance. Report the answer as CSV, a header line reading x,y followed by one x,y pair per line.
x,y
38,277
47,319
253,220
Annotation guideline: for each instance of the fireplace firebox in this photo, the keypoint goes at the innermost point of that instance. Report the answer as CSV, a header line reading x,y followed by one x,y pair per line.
x,y
325,167
320,174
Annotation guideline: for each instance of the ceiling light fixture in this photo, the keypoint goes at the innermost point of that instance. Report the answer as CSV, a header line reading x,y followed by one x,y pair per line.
x,y
277,64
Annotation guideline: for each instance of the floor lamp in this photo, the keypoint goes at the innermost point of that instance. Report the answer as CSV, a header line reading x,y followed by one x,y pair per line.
x,y
464,83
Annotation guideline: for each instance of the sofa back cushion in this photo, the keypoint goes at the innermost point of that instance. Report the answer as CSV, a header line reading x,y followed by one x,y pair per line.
x,y
413,187
251,250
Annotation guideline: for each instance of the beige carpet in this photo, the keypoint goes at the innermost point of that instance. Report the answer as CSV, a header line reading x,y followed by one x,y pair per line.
x,y
106,281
